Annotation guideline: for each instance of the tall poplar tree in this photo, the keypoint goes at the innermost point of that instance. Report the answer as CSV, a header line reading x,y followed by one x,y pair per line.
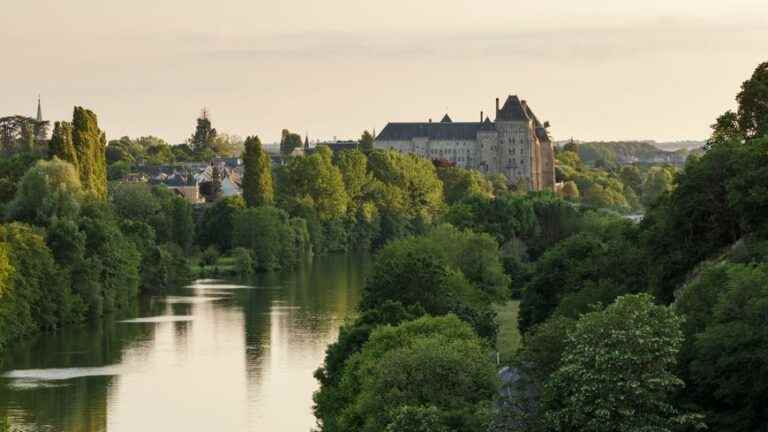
x,y
90,143
257,179
61,145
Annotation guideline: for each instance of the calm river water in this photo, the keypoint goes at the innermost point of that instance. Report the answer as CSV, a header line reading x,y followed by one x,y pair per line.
x,y
215,356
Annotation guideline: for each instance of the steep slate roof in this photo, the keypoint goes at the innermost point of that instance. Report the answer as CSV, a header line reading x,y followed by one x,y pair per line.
x,y
433,131
488,126
541,131
512,110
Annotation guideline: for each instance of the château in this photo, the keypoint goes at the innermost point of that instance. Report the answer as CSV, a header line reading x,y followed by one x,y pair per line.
x,y
516,144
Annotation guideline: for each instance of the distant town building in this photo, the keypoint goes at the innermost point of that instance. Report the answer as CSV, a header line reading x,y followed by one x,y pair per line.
x,y
185,185
334,146
516,144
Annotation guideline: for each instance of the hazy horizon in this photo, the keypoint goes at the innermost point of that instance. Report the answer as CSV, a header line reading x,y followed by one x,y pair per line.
x,y
597,70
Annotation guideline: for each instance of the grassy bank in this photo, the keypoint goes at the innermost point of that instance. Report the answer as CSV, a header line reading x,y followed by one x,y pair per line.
x,y
224,266
508,340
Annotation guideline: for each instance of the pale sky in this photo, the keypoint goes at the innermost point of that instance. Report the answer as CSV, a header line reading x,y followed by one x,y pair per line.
x,y
596,69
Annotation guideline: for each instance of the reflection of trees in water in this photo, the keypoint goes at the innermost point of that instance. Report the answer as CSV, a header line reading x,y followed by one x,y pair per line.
x,y
299,308
78,404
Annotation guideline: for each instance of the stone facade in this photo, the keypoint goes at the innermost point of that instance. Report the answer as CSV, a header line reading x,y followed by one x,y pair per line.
x,y
515,144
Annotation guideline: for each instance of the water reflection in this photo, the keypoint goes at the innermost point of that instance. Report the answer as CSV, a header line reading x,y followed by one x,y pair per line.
x,y
215,356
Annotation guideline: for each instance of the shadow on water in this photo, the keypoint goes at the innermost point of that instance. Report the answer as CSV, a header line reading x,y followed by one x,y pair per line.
x,y
218,355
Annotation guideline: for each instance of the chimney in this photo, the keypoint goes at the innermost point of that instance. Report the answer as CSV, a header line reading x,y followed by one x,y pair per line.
x,y
481,116
430,120
497,106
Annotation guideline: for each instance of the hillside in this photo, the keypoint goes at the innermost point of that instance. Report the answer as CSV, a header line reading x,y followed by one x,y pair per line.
x,y
627,152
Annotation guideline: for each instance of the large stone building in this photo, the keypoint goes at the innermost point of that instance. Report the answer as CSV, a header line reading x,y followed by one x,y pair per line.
x,y
515,144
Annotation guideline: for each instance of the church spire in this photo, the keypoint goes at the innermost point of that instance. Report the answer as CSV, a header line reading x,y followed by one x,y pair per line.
x,y
39,110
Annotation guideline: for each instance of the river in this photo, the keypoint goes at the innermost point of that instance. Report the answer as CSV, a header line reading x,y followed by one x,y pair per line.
x,y
214,356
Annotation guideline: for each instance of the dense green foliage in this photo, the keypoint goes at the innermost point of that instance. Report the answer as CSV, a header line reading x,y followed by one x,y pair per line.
x,y
434,364
49,190
61,145
217,224
275,240
616,371
90,143
702,245
446,271
257,178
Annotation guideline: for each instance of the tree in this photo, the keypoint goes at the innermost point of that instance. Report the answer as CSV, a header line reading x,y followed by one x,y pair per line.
x,y
182,222
725,310
275,240
289,142
416,419
210,256
445,272
616,373
570,191
90,144
753,112
658,182
243,262
61,145
217,225
135,202
353,166
430,362
459,183
313,187
113,262
562,269
226,145
49,190
203,139
407,189
366,142
500,183
257,178
36,296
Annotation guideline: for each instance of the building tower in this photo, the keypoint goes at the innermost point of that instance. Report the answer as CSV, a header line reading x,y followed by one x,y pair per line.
x,y
41,126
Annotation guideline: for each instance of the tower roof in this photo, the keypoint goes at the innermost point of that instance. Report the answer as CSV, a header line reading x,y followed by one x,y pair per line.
x,y
446,119
39,110
487,125
513,110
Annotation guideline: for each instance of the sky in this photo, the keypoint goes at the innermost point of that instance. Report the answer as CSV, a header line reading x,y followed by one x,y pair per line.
x,y
595,69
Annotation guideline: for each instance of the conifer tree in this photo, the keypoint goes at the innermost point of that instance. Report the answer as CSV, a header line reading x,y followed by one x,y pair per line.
x,y
366,142
61,145
257,179
205,135
90,143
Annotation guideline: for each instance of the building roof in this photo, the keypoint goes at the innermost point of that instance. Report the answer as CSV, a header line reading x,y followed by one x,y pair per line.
x,y
335,146
433,131
488,126
540,129
513,110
